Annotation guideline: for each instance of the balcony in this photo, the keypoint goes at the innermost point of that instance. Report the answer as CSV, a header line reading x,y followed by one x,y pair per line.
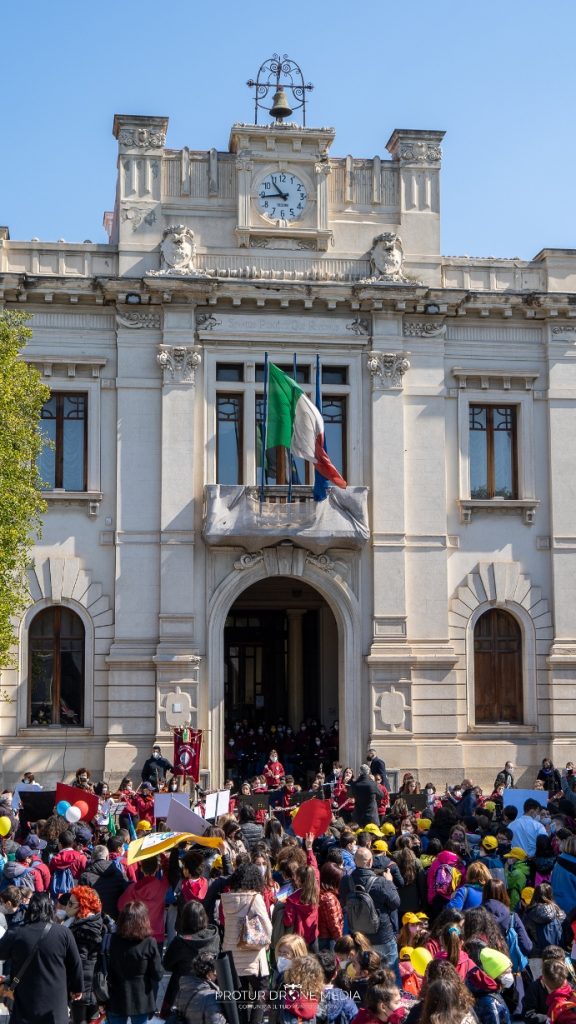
x,y
234,516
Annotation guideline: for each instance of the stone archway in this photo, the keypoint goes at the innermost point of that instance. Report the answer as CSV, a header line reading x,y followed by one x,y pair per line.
x,y
329,578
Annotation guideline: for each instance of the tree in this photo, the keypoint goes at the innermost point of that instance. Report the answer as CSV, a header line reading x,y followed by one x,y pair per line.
x,y
22,395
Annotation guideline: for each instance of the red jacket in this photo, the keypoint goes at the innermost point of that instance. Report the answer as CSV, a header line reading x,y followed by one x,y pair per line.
x,y
42,873
273,772
194,889
561,1004
151,891
72,859
330,915
302,917
144,807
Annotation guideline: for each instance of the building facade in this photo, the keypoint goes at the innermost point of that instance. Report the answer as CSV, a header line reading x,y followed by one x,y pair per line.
x,y
430,607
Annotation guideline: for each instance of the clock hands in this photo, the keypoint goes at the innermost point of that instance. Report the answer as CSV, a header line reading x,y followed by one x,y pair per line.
x,y
283,195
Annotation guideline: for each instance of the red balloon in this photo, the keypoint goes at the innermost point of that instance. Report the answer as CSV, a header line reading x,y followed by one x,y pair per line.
x,y
82,807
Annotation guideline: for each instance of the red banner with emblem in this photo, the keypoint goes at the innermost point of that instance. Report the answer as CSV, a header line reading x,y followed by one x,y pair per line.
x,y
187,747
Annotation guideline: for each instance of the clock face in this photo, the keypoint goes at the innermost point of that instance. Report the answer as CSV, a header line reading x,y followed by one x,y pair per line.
x,y
282,196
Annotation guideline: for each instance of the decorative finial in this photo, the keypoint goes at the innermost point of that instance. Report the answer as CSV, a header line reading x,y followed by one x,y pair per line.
x,y
268,78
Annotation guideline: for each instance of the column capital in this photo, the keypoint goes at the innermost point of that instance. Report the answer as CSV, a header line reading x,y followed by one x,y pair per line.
x,y
178,363
387,370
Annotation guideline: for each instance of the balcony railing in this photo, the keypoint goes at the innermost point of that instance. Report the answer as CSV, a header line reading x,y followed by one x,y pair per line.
x,y
235,515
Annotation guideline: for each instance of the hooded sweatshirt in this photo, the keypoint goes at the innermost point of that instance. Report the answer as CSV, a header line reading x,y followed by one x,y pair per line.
x,y
444,858
489,1005
561,1000
69,858
152,891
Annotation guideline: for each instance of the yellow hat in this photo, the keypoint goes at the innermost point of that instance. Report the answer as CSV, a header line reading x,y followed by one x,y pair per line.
x,y
388,829
527,895
217,862
372,829
410,918
422,916
489,843
517,853
406,953
424,824
381,845
143,826
489,805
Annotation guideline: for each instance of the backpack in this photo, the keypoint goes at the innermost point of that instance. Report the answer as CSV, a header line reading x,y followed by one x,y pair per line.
x,y
23,881
564,1012
361,909
446,881
279,929
519,961
62,881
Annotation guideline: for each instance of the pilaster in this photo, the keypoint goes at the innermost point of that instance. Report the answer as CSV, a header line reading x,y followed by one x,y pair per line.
x,y
139,191
419,155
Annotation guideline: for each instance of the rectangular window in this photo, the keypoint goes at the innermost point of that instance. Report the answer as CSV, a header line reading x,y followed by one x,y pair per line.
x,y
229,442
302,372
62,464
334,414
493,454
230,372
334,374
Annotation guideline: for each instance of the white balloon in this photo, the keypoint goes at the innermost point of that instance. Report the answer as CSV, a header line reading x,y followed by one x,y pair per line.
x,y
73,814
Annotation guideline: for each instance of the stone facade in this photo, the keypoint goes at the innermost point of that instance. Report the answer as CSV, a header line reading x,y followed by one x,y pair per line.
x,y
149,555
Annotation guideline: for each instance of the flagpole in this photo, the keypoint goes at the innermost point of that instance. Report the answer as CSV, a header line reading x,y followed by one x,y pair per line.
x,y
294,371
264,431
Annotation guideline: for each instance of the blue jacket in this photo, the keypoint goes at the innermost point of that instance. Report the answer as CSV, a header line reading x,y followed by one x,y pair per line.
x,y
563,882
466,896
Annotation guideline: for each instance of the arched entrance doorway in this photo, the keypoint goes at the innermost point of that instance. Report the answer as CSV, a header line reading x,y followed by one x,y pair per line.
x,y
280,667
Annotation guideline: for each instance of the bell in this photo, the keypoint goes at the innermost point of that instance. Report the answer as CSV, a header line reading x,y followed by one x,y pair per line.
x,y
280,108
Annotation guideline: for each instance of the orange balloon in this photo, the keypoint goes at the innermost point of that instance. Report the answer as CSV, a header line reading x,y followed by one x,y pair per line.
x,y
82,807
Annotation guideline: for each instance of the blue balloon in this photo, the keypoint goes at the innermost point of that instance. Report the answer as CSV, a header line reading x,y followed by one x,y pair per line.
x,y
62,807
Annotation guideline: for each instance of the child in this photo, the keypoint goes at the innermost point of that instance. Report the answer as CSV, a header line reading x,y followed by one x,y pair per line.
x,y
383,1002
517,873
273,771
534,1007
304,984
335,1004
486,984
561,1001
12,906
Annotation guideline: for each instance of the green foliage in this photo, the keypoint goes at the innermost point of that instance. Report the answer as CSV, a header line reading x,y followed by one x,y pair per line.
x,y
22,395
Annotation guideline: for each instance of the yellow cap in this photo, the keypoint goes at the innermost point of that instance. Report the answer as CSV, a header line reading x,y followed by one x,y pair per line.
x,y
372,829
406,952
143,826
517,853
424,824
422,916
388,829
527,894
380,845
410,918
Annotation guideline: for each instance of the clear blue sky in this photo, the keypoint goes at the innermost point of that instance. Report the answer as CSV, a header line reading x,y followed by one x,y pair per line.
x,y
499,77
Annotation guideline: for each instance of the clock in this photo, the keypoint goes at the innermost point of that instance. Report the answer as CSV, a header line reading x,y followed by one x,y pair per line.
x,y
282,196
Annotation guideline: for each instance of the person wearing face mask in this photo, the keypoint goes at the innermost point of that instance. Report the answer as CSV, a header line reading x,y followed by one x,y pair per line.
x,y
84,919
273,771
486,982
82,780
155,768
270,891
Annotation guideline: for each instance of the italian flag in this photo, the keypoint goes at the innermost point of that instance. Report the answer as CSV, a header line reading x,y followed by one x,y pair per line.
x,y
295,423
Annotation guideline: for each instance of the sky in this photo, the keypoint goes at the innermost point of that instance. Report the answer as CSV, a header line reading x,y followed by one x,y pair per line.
x,y
498,77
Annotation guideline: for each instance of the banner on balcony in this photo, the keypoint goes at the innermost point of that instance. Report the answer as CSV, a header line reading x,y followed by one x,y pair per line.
x,y
187,747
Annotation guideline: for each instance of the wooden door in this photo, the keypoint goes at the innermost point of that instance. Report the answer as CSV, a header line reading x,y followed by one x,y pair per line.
x,y
498,669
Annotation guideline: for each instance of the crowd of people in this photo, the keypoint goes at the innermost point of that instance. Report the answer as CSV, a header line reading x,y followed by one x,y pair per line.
x,y
414,906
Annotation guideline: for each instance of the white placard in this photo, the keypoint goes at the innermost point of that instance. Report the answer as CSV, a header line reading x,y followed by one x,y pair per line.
x,y
217,804
162,802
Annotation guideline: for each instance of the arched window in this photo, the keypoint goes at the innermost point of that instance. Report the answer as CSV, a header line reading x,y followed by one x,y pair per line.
x,y
56,668
498,669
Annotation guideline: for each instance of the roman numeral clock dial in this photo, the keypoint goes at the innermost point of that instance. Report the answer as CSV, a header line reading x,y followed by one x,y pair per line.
x,y
282,197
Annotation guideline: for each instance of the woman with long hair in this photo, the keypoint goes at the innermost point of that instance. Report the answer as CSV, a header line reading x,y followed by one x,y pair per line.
x,y
135,967
544,919
413,894
447,1002
382,1001
330,914
195,936
261,859
301,907
343,803
452,949
470,894
84,918
53,973
246,897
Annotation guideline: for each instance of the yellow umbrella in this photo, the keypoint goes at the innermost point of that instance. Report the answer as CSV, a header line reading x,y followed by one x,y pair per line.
x,y
157,842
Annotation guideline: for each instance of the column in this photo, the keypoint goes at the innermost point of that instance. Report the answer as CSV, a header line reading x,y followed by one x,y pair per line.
x,y
295,666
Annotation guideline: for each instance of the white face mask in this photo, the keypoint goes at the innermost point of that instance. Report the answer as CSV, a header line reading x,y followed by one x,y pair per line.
x,y
60,915
261,869
155,753
283,963
506,980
